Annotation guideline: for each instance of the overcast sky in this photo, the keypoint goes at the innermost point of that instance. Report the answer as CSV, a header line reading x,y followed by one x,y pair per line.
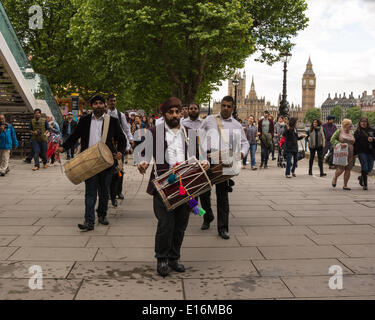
x,y
340,39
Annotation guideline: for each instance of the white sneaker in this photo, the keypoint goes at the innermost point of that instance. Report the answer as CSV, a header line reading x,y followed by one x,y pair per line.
x,y
51,164
288,176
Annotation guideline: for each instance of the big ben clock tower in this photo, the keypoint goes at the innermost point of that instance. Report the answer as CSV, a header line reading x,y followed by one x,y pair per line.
x,y
308,88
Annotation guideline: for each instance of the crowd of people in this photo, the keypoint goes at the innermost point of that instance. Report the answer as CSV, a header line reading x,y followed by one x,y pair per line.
x,y
124,131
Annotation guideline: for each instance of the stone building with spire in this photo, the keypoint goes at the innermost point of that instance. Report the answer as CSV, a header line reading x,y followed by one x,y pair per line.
x,y
308,88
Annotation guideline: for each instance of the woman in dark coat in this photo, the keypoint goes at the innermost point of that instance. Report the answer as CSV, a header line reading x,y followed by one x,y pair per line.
x,y
364,148
316,144
291,146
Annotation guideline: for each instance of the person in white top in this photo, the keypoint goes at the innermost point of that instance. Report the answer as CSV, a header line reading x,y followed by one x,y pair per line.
x,y
118,177
171,224
222,189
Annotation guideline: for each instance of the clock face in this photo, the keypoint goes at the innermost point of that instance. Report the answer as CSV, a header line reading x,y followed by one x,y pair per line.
x,y
311,82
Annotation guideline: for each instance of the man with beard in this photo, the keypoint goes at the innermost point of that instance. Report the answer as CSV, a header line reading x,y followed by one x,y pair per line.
x,y
168,138
118,177
90,129
229,124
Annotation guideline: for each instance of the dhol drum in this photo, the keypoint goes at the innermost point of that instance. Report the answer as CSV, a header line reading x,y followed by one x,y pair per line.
x,y
89,163
222,170
189,174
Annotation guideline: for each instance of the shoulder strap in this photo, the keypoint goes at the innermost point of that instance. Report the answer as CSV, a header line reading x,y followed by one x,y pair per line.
x,y
220,127
120,119
105,128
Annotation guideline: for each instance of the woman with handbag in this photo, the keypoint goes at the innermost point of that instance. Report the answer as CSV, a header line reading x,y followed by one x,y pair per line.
x,y
346,139
291,146
364,149
316,144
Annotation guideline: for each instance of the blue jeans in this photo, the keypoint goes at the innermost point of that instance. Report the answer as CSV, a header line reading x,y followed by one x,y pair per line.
x,y
97,185
289,156
253,149
367,161
39,149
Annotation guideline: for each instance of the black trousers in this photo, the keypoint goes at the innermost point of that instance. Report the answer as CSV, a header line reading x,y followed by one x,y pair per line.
x,y
328,147
116,185
319,152
171,229
222,206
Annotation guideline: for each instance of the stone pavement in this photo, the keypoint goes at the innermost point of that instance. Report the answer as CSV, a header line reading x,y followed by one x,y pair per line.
x,y
285,235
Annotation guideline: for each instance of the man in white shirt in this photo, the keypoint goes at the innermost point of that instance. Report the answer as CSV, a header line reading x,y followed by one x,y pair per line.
x,y
118,177
171,224
90,130
222,189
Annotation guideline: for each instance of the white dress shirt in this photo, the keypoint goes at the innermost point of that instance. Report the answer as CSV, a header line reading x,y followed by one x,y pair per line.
x,y
193,124
229,124
124,125
96,128
176,145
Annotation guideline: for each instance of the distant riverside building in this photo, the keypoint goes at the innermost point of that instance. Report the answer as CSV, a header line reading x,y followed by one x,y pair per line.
x,y
365,102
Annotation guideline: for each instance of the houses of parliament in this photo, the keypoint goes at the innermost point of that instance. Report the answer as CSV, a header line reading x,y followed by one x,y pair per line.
x,y
249,104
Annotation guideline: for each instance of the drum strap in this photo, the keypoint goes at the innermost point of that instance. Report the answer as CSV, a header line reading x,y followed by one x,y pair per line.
x,y
220,127
105,128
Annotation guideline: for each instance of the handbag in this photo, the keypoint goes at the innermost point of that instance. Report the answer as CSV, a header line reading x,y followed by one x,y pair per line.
x,y
340,154
301,153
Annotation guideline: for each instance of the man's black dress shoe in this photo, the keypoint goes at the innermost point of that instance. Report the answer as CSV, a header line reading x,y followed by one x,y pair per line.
x,y
206,224
224,234
176,266
103,220
114,202
86,227
162,267
121,196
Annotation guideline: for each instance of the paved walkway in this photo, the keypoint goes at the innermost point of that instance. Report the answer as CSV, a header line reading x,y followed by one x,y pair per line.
x,y
285,235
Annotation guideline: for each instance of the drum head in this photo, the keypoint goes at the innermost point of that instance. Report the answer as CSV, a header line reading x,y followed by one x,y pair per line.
x,y
106,153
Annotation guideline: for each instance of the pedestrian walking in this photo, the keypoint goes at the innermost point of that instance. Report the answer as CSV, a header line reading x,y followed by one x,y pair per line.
x,y
278,133
69,125
364,149
344,136
316,145
38,127
251,135
329,129
291,147
8,141
265,132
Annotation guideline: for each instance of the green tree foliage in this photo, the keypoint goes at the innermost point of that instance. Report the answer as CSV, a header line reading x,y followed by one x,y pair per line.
x,y
337,112
354,114
148,50
371,117
311,114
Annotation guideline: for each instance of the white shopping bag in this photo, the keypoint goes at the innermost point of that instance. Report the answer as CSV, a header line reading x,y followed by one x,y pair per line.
x,y
340,154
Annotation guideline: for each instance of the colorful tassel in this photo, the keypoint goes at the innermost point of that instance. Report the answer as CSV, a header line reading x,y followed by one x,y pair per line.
x,y
181,191
192,203
172,179
201,212
196,210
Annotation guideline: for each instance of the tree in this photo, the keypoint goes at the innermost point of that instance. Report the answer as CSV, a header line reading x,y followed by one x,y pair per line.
x,y
312,114
371,117
337,112
184,47
354,114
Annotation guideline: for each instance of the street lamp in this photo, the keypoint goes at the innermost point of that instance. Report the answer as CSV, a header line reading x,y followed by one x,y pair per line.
x,y
235,83
284,105
209,107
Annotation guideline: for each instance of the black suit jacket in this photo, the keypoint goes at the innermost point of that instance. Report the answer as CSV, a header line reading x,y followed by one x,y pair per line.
x,y
83,131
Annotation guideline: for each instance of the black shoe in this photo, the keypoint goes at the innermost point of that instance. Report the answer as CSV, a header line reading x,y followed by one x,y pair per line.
x,y
27,160
224,234
120,196
365,188
323,174
360,180
310,172
103,220
206,224
86,226
162,267
2,174
114,202
176,266
261,165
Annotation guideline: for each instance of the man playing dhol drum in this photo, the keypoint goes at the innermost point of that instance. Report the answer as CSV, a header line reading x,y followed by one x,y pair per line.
x,y
169,139
90,130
